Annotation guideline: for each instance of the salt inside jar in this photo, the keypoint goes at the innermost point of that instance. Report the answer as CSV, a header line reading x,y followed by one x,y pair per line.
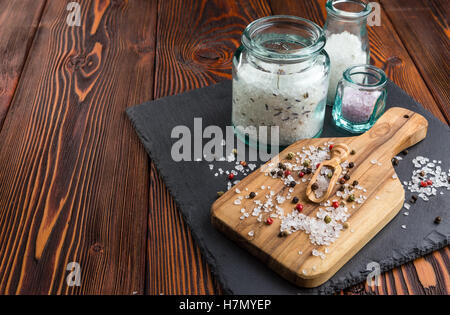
x,y
360,98
280,78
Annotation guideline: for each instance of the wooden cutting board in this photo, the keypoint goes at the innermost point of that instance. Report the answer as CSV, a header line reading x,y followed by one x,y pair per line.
x,y
395,131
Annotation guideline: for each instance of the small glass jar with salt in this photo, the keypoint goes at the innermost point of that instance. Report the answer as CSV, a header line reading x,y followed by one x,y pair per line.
x,y
360,98
280,79
347,39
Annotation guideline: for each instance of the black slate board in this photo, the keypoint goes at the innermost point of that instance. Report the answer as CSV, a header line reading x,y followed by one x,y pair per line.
x,y
194,186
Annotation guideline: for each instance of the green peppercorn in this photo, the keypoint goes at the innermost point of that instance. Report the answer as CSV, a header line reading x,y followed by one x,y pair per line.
x,y
290,156
314,186
220,193
327,219
329,175
345,225
306,163
295,200
252,195
234,151
351,198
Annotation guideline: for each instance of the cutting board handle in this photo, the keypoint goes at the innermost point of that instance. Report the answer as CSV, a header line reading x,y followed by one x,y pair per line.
x,y
398,128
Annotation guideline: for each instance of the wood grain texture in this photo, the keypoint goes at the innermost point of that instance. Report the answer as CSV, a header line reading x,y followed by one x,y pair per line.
x,y
385,195
196,41
18,20
74,180
423,27
387,50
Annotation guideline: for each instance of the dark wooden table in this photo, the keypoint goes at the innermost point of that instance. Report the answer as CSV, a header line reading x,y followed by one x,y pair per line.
x,y
75,183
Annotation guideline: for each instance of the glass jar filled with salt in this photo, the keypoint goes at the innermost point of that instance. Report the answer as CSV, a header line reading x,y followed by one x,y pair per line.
x,y
280,79
360,98
347,39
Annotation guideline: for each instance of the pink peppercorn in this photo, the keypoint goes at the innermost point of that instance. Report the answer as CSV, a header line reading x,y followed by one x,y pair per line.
x,y
335,204
301,174
299,207
230,176
269,221
287,173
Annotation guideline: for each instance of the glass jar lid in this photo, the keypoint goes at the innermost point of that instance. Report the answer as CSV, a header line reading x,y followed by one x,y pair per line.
x,y
283,38
349,9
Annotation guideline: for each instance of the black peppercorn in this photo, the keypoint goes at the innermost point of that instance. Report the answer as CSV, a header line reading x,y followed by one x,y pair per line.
x,y
282,234
292,184
273,172
405,152
342,188
308,170
346,177
394,162
282,166
280,173
437,220
252,195
352,152
355,183
342,180
351,198
413,199
351,165
406,116
314,186
295,200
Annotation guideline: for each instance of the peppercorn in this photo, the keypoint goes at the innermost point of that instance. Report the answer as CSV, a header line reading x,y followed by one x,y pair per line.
x,y
243,163
317,165
422,173
230,176
405,152
282,234
308,170
331,147
306,163
352,152
273,172
405,116
329,175
290,156
335,204
351,165
413,199
429,182
346,177
345,225
355,183
295,200
269,221
287,173
282,166
280,173
314,186
234,151
437,220
394,161
301,174
252,195
327,219
299,207
341,188
220,193
292,184
342,180
351,198
423,184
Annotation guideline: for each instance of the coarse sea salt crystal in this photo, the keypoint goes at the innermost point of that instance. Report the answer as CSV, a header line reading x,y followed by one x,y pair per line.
x,y
404,227
251,233
407,206
237,202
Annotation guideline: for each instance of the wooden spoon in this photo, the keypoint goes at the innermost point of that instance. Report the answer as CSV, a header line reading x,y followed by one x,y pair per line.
x,y
338,154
